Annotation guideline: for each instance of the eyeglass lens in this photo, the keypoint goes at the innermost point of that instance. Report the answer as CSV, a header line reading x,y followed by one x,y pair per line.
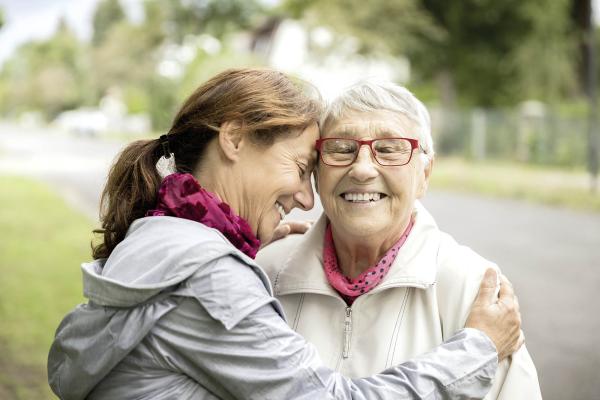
x,y
386,151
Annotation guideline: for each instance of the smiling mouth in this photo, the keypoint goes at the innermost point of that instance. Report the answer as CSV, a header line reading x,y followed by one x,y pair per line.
x,y
280,209
363,197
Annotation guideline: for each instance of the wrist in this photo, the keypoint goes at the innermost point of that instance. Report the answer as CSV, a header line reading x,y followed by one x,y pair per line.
x,y
483,338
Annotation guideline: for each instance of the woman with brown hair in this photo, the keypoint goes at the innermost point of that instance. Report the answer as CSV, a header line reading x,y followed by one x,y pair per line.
x,y
177,307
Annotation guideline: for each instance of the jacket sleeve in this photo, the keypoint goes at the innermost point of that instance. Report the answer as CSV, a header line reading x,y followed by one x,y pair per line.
x,y
460,271
255,355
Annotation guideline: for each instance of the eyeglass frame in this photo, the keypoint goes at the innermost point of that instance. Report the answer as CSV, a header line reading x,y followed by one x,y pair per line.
x,y
414,143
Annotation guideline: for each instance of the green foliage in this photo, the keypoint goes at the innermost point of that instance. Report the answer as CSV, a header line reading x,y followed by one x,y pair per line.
x,y
62,73
108,13
50,75
43,243
546,57
162,102
479,40
1,18
120,61
215,17
380,25
477,52
205,66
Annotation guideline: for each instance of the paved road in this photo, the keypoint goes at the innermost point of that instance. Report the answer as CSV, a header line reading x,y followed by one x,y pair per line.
x,y
76,165
551,255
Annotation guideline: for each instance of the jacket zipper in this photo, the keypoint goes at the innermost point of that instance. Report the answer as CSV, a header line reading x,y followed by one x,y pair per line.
x,y
347,332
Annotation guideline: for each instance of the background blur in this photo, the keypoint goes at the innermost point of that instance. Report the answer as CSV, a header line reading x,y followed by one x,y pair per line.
x,y
511,86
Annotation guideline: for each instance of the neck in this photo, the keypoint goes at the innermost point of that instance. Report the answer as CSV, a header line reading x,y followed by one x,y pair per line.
x,y
210,181
356,254
224,179
217,179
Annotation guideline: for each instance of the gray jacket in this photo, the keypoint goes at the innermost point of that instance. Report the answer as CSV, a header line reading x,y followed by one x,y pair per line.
x,y
176,312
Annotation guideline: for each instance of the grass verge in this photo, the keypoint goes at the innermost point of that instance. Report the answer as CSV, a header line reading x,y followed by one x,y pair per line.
x,y
43,243
545,185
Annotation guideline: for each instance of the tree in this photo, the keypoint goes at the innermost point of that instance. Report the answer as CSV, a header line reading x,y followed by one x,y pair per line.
x,y
108,14
215,17
515,49
1,18
49,75
482,52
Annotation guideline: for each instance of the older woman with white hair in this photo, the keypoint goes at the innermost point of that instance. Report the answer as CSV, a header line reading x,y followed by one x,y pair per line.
x,y
374,281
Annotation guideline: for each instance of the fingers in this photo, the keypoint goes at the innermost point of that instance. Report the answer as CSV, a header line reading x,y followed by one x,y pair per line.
x,y
298,226
487,288
280,232
507,295
506,288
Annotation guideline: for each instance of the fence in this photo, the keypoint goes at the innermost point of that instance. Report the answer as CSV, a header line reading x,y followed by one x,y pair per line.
x,y
530,133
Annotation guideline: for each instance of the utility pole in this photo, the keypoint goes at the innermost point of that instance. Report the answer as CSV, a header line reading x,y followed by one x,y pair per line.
x,y
592,100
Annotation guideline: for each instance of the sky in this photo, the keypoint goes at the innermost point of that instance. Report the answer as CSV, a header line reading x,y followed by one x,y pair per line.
x,y
26,20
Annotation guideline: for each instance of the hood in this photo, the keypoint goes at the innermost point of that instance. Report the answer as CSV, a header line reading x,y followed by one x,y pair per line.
x,y
157,253
132,287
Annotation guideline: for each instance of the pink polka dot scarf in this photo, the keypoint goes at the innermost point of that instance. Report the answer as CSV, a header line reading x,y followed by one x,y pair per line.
x,y
180,195
350,289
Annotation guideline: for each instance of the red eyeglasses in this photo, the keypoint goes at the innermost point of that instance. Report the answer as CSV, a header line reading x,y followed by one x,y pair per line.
x,y
341,152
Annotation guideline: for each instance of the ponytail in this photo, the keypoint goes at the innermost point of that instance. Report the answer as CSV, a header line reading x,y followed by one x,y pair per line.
x,y
131,190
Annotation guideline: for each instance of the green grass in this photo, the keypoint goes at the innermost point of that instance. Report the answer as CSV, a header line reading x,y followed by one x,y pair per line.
x,y
544,185
43,243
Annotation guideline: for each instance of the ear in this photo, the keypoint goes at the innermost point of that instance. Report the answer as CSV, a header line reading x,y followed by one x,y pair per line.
x,y
424,184
231,139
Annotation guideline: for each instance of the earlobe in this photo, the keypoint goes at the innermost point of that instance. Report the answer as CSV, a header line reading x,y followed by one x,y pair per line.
x,y
231,139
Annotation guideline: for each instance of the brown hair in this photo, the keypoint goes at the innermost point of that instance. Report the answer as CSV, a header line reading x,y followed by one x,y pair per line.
x,y
267,103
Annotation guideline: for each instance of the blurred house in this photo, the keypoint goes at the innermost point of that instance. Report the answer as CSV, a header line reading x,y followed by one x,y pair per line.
x,y
326,59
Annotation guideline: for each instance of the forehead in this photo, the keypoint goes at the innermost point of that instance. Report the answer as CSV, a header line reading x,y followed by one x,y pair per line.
x,y
379,123
302,145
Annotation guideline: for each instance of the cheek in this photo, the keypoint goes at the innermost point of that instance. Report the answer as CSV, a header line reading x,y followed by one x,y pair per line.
x,y
404,184
327,182
283,185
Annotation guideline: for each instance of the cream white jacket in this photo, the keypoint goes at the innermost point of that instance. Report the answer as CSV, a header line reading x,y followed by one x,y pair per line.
x,y
425,298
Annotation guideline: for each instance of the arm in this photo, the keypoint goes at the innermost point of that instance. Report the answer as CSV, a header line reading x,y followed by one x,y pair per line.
x,y
260,357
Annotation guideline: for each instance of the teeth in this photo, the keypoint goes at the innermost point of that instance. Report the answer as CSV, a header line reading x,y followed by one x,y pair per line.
x,y
281,210
362,197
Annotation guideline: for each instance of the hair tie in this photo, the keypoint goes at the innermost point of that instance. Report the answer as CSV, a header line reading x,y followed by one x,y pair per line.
x,y
165,165
165,144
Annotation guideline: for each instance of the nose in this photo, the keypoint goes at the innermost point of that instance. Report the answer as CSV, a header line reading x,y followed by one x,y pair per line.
x,y
305,198
365,166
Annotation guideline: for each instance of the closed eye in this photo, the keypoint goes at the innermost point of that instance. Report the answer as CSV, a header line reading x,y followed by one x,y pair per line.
x,y
302,169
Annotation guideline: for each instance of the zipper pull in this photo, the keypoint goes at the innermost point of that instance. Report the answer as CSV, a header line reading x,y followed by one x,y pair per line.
x,y
347,331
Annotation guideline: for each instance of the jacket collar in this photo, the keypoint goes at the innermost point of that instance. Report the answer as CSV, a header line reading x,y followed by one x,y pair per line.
x,y
415,264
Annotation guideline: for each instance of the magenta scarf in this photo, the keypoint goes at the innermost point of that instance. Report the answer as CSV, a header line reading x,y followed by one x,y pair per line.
x,y
350,289
180,195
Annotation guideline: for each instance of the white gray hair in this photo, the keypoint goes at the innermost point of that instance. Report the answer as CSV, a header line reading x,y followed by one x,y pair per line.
x,y
374,95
